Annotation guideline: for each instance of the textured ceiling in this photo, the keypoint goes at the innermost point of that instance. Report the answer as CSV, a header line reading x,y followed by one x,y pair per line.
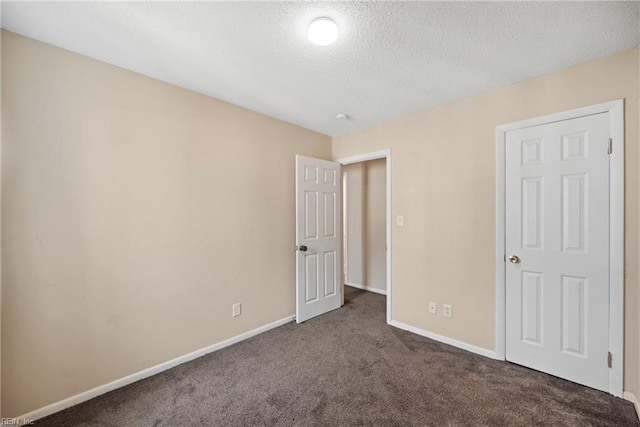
x,y
391,58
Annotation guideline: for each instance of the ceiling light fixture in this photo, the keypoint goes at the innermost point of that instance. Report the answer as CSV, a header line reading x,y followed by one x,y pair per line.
x,y
323,31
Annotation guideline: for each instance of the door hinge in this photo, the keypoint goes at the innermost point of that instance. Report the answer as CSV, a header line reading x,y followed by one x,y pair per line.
x,y
609,357
504,258
609,146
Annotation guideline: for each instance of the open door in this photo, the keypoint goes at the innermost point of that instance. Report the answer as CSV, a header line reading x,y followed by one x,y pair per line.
x,y
318,237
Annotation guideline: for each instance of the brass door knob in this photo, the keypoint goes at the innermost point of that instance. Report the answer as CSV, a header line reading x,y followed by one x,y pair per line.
x,y
514,259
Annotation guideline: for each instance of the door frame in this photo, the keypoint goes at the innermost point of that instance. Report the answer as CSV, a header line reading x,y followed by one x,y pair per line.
x,y
382,154
615,109
344,183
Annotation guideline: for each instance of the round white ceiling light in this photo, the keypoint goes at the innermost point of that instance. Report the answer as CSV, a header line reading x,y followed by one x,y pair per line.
x,y
323,31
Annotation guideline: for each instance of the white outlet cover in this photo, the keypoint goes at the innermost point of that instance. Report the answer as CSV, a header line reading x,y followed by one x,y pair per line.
x,y
446,310
236,310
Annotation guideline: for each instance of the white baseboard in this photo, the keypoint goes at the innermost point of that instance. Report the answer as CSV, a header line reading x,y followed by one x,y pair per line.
x,y
366,288
455,343
633,399
129,379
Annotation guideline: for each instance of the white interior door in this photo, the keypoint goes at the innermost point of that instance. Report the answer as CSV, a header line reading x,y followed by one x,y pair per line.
x,y
318,237
557,225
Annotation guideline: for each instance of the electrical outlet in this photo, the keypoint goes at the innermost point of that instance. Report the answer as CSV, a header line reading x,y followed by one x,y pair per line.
x,y
446,310
433,307
400,221
236,310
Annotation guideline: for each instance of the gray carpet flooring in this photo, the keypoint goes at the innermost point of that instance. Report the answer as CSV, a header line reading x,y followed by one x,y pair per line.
x,y
346,368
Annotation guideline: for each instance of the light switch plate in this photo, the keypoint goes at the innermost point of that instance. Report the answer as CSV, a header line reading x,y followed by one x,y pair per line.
x,y
400,220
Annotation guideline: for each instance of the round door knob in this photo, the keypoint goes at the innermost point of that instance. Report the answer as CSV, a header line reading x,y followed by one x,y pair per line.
x,y
303,248
514,259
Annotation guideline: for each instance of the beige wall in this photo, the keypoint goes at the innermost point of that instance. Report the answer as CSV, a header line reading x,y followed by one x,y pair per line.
x,y
0,216
636,371
376,224
443,166
136,214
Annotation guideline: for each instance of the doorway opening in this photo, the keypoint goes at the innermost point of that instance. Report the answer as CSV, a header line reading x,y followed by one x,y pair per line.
x,y
366,222
364,225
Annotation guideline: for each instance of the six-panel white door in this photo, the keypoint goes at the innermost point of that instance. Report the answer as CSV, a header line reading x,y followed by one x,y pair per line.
x,y
557,225
318,237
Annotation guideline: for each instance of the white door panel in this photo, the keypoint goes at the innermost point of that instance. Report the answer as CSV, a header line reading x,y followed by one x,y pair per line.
x,y
318,237
557,223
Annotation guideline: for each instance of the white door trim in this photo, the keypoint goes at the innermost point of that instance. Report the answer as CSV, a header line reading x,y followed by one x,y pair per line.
x,y
382,154
345,231
615,109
